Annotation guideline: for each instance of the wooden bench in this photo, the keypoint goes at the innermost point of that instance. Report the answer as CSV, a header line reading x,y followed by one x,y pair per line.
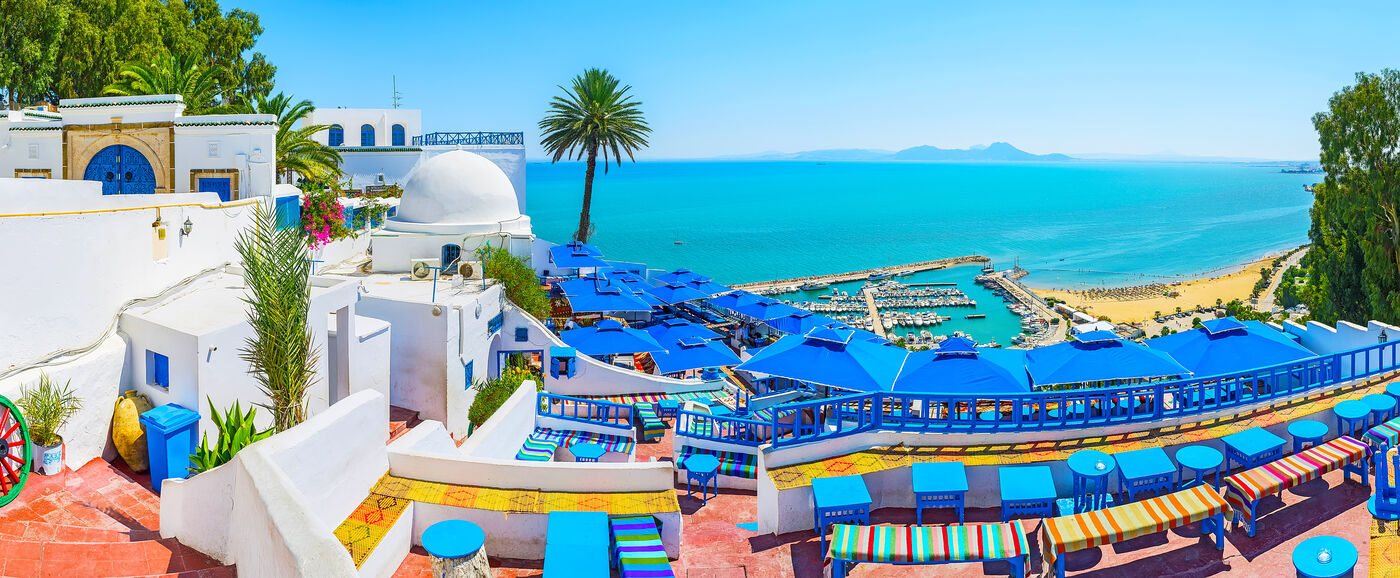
x,y
909,545
1244,490
1059,536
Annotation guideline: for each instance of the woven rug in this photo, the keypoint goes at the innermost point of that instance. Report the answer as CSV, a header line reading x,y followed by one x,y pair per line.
x,y
884,458
1385,549
387,500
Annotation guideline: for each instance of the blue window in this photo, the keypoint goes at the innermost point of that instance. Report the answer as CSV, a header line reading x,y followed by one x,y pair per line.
x,y
337,136
366,136
522,334
223,186
288,212
397,135
496,322
157,369
450,253
348,213
467,371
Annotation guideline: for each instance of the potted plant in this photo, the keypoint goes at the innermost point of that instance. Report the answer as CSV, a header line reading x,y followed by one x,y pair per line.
x,y
48,408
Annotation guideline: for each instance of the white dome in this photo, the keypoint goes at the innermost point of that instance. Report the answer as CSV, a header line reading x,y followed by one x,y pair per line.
x,y
457,188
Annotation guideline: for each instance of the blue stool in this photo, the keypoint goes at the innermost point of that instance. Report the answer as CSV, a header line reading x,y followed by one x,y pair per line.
x,y
1026,491
1091,470
668,408
938,485
1306,431
1393,390
1351,414
702,468
840,500
586,452
1381,405
1198,459
456,541
1324,557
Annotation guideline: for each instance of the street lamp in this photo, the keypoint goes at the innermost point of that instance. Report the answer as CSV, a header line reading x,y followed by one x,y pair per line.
x,y
1383,336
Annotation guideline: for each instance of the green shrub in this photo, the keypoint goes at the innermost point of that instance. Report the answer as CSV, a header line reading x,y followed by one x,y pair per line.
x,y
492,393
521,286
236,431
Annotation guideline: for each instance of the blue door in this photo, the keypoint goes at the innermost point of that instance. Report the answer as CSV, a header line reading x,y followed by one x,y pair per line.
x,y
122,171
221,185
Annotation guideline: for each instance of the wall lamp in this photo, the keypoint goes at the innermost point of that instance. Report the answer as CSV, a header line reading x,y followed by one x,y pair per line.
x,y
186,228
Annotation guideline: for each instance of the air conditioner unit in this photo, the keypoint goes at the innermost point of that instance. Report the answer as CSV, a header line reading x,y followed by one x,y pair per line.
x,y
421,269
470,269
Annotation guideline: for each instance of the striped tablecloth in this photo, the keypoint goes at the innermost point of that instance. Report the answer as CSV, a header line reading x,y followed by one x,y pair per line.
x,y
1387,433
1249,487
927,544
1125,522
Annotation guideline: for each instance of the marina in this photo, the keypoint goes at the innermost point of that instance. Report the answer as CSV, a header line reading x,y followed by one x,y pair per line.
x,y
877,274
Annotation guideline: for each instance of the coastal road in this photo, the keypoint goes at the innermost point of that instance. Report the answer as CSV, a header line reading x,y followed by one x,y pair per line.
x,y
1266,301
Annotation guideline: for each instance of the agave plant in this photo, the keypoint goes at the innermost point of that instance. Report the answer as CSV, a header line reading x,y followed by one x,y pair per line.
x,y
47,408
236,431
280,354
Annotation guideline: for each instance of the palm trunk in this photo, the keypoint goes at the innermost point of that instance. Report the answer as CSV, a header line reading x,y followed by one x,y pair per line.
x,y
584,222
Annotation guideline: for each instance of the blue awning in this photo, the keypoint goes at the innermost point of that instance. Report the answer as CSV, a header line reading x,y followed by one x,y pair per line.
x,y
596,294
1223,346
681,276
1098,356
673,293
610,337
733,299
799,323
669,330
834,357
688,353
576,255
764,309
959,368
705,285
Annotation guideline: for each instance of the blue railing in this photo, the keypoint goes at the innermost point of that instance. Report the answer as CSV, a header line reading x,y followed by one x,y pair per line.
x,y
732,430
604,413
1078,408
470,138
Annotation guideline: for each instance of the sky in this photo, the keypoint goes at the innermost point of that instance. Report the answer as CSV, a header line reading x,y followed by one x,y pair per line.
x,y
1226,79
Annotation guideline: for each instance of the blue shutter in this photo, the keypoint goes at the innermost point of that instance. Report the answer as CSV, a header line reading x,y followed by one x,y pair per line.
x,y
397,135
337,136
288,212
366,136
467,371
522,334
223,186
496,322
157,369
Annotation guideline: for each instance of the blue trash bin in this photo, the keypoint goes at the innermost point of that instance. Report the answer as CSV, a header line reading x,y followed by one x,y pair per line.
x,y
170,439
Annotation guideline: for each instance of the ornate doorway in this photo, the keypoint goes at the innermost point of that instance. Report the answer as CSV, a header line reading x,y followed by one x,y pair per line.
x,y
122,170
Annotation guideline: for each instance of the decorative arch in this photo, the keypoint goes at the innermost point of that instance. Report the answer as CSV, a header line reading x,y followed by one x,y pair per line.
x,y
366,135
337,135
159,154
122,170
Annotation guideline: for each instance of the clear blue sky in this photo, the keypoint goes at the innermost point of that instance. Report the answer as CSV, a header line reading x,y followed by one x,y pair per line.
x,y
1200,78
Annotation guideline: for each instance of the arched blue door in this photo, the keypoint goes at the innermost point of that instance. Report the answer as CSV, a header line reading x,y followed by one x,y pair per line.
x,y
122,171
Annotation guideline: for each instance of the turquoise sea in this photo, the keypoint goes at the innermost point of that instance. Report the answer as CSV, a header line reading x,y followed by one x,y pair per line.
x,y
1073,224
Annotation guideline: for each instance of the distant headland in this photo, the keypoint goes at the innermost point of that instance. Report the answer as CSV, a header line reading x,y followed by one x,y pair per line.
x,y
997,151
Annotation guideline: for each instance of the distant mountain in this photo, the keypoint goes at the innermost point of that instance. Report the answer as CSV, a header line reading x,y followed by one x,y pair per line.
x,y
997,151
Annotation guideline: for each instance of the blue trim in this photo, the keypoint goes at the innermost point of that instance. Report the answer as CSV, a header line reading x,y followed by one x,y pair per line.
x,y
288,212
522,334
157,369
468,371
336,136
366,135
396,136
221,185
597,412
495,323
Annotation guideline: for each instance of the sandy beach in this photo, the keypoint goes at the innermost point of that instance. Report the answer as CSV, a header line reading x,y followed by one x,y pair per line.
x,y
1136,304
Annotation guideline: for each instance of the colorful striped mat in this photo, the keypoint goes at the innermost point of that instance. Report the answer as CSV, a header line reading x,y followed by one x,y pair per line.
x,y
639,550
735,464
635,398
537,450
567,438
1387,433
1250,486
652,426
389,497
1125,522
926,544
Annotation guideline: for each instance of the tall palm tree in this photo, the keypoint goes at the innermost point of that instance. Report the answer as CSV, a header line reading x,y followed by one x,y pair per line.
x,y
168,74
595,114
297,153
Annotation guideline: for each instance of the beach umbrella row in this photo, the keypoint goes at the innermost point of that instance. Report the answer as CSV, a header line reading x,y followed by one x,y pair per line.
x,y
576,255
1228,345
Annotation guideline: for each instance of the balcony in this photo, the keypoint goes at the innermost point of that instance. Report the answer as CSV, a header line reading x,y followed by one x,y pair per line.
x,y
470,138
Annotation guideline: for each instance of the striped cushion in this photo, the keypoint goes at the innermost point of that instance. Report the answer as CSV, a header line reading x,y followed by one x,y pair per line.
x,y
730,463
568,438
926,544
1128,521
1387,433
639,550
1250,486
652,426
537,450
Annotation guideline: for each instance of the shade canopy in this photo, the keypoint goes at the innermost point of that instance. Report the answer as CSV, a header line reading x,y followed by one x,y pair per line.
x,y
833,357
959,367
577,255
1222,346
681,276
799,323
734,299
705,285
1098,356
610,337
598,294
669,330
673,293
688,353
764,309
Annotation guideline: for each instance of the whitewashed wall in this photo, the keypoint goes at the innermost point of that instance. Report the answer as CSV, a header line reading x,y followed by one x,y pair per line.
x,y
251,149
15,148
97,378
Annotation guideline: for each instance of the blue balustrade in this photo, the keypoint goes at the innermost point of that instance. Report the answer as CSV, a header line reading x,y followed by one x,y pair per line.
x,y
598,412
1076,408
732,430
470,138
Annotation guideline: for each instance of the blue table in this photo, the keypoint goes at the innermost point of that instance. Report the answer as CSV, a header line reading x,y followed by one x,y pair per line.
x,y
702,468
1026,491
1393,390
577,544
939,485
1252,448
1338,560
1306,431
720,410
1351,415
1091,470
586,452
840,500
1145,470
668,408
457,541
1381,406
1198,459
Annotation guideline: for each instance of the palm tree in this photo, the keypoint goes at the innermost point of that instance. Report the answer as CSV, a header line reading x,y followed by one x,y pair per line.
x,y
167,74
595,114
280,354
296,151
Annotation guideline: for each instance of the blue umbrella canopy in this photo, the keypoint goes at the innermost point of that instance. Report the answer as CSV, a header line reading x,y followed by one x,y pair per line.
x,y
681,276
1098,356
1228,345
669,330
636,284
833,357
765,309
705,285
799,323
576,255
734,299
673,293
958,367
596,294
610,337
688,353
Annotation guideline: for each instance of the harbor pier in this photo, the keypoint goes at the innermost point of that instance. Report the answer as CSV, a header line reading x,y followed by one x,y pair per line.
x,y
933,265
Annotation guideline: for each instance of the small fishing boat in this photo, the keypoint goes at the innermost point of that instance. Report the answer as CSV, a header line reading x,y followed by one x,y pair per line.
x,y
878,276
975,316
813,286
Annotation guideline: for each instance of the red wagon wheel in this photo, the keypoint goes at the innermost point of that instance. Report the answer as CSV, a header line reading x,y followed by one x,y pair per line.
x,y
14,451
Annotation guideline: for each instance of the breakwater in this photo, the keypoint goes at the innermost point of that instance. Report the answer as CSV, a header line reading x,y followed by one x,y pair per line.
x,y
864,273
